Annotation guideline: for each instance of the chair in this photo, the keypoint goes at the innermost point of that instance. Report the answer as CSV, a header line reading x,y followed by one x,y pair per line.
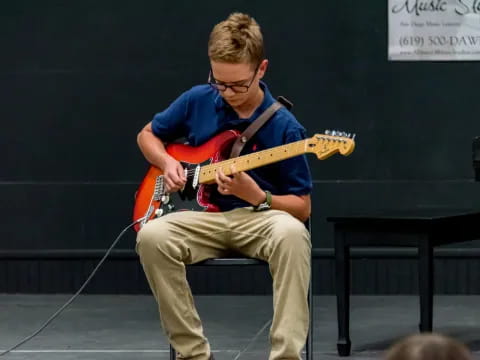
x,y
249,261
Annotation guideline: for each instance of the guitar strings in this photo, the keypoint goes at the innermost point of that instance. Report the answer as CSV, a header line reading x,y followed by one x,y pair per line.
x,y
258,153
295,146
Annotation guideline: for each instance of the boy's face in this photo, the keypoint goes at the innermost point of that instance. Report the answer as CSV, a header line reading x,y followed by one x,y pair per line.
x,y
243,77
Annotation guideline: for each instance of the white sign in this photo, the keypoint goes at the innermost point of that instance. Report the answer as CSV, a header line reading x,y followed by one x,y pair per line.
x,y
434,29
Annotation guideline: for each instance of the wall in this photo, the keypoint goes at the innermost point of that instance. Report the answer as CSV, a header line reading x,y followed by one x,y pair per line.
x,y
80,79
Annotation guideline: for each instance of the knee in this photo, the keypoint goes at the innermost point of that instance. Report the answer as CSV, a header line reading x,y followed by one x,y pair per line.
x,y
292,236
152,240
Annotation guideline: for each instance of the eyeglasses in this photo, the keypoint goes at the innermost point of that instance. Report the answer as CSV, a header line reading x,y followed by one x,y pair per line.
x,y
235,88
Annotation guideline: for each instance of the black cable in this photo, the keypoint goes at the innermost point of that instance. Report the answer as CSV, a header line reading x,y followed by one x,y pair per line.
x,y
64,306
240,353
35,333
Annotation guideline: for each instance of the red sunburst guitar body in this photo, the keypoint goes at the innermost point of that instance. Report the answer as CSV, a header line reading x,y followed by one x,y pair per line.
x,y
147,203
201,163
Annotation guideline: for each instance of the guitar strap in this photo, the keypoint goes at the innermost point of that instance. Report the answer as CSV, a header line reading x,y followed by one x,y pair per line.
x,y
257,124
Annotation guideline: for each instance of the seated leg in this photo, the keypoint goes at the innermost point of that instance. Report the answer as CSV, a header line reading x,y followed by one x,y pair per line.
x,y
165,245
284,242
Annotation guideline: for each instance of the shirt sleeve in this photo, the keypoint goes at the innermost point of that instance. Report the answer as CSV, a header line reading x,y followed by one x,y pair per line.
x,y
169,124
295,171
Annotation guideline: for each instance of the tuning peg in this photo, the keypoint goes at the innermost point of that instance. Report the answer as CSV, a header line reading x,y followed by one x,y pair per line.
x,y
327,132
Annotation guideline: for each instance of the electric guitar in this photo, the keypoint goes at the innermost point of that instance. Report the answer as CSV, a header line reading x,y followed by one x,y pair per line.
x,y
200,164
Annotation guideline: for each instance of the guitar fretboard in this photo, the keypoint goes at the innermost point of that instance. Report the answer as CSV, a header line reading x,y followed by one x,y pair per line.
x,y
254,160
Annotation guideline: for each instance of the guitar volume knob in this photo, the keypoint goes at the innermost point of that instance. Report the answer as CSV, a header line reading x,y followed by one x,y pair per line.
x,y
165,199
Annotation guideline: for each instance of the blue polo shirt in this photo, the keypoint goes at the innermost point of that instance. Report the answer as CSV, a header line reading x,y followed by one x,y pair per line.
x,y
200,113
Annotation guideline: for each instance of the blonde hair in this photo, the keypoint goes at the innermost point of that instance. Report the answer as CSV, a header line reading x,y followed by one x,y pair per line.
x,y
428,347
238,39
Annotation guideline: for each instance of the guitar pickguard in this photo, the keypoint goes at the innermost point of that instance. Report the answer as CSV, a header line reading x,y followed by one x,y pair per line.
x,y
193,196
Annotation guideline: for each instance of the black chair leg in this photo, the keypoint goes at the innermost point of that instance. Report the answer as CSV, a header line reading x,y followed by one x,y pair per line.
x,y
425,283
172,353
309,345
342,262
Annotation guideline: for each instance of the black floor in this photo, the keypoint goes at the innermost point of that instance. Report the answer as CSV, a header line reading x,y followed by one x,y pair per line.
x,y
127,327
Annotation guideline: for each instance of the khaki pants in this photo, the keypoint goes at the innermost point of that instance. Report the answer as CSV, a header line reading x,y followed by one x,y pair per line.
x,y
166,244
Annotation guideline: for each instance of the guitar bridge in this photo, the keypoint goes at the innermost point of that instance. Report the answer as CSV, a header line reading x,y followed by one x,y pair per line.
x,y
159,188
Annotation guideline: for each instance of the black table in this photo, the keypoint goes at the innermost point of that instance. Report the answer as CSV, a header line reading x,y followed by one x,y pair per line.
x,y
423,229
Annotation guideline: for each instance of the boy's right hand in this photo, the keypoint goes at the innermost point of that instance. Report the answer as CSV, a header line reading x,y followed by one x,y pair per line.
x,y
173,174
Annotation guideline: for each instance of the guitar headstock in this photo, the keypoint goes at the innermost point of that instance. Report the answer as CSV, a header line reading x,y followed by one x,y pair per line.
x,y
330,143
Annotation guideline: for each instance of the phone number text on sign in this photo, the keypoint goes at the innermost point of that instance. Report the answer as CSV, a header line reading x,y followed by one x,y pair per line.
x,y
432,41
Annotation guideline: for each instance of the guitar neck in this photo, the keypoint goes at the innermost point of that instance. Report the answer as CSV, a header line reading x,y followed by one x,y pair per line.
x,y
254,160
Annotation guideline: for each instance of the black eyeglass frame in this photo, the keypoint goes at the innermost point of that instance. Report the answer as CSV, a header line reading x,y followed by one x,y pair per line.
x,y
238,89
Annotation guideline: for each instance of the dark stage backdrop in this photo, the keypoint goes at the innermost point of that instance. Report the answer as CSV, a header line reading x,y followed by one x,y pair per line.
x,y
79,79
